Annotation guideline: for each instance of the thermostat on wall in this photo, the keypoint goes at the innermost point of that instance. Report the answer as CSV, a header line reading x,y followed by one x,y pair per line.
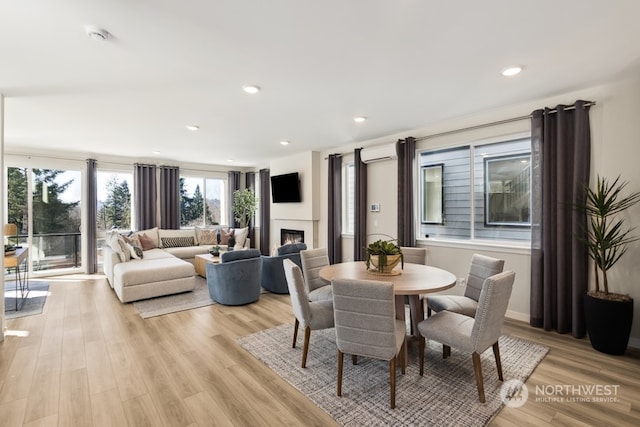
x,y
375,207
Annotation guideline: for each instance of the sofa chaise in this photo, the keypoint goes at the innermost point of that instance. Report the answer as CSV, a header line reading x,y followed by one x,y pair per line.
x,y
157,262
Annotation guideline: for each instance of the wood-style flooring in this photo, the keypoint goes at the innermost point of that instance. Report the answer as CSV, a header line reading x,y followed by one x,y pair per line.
x,y
89,360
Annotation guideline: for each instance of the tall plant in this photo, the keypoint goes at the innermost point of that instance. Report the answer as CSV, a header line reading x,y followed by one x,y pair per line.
x,y
245,204
606,236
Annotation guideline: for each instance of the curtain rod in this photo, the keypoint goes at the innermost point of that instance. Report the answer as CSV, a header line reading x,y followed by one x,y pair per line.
x,y
499,122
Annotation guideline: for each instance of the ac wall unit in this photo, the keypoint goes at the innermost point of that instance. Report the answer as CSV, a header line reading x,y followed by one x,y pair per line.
x,y
378,153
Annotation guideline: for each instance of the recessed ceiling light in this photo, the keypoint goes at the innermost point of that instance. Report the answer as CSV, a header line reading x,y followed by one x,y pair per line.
x,y
96,33
251,89
284,142
230,160
192,127
511,71
359,119
155,152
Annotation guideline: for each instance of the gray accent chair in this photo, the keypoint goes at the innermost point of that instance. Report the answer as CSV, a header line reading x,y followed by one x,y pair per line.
x,y
273,279
482,266
312,261
236,279
310,315
473,335
366,325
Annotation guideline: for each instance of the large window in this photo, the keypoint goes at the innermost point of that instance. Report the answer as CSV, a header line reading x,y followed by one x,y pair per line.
x,y
114,205
477,192
348,197
45,206
203,201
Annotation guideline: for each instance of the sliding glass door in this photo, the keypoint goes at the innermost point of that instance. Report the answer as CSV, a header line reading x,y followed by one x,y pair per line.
x,y
44,204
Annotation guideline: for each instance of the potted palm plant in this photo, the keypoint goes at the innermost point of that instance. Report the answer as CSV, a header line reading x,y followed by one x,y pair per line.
x,y
608,315
384,255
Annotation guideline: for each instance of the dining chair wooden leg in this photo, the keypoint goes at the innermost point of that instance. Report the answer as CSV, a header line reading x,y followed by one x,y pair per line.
x,y
477,368
340,360
446,351
392,381
354,359
403,357
305,348
295,333
496,353
421,342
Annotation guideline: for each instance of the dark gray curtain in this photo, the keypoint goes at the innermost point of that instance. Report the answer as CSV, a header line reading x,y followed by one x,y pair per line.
x,y
92,216
265,211
170,197
360,214
406,150
334,222
144,183
560,151
251,185
234,185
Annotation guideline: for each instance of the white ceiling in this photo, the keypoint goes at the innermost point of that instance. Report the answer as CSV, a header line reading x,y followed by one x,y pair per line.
x,y
402,63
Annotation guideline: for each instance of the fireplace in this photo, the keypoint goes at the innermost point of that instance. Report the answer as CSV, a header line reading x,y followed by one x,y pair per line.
x,y
291,236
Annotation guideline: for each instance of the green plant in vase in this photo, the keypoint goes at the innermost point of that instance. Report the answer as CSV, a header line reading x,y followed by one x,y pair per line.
x,y
384,255
245,204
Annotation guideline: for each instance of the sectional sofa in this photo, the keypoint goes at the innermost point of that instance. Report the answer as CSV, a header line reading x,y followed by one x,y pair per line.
x,y
156,262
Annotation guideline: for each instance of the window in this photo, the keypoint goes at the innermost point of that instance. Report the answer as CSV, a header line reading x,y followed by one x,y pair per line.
x,y
485,191
202,201
113,211
45,206
348,197
432,210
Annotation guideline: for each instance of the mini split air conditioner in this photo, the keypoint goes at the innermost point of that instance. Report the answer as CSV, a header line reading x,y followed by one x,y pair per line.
x,y
378,153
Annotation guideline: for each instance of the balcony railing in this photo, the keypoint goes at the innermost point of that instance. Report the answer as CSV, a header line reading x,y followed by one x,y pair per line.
x,y
52,251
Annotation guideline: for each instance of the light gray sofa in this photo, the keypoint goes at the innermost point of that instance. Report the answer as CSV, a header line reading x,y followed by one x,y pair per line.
x,y
161,270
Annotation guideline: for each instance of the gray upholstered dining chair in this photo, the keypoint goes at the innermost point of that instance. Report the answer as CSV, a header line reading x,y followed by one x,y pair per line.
x,y
473,335
414,255
312,261
482,266
366,325
310,315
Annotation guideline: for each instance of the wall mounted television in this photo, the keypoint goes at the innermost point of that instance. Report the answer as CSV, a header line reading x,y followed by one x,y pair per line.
x,y
285,188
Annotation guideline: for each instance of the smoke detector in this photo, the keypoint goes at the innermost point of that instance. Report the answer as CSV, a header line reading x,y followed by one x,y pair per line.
x,y
96,33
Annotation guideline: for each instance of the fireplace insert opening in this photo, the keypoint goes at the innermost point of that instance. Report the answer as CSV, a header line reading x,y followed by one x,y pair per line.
x,y
291,236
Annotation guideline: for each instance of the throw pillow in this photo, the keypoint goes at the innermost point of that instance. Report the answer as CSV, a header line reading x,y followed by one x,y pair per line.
x,y
117,243
241,235
177,242
135,251
133,240
224,236
208,237
146,242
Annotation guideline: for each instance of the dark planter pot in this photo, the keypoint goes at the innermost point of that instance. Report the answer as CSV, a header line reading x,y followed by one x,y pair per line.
x,y
608,324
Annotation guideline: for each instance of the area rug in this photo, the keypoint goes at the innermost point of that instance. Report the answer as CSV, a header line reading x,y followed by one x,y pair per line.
x,y
199,297
445,396
33,303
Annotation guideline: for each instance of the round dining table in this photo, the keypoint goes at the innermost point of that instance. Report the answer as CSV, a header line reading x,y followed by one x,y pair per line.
x,y
411,281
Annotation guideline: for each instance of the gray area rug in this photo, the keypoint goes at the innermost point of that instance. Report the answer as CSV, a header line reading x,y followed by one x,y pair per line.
x,y
445,396
33,303
199,297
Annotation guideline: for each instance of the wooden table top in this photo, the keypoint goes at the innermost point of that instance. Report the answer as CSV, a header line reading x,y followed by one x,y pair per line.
x,y
16,259
414,279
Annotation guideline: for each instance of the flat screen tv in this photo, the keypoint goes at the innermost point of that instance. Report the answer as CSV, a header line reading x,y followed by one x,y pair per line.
x,y
285,188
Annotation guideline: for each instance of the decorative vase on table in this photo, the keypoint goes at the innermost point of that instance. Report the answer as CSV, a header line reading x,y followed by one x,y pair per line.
x,y
384,256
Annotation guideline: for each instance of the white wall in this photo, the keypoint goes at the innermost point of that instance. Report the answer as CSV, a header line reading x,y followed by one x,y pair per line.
x,y
306,214
615,130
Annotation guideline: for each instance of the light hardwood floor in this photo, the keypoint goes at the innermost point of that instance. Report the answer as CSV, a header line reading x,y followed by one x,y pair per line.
x,y
89,360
